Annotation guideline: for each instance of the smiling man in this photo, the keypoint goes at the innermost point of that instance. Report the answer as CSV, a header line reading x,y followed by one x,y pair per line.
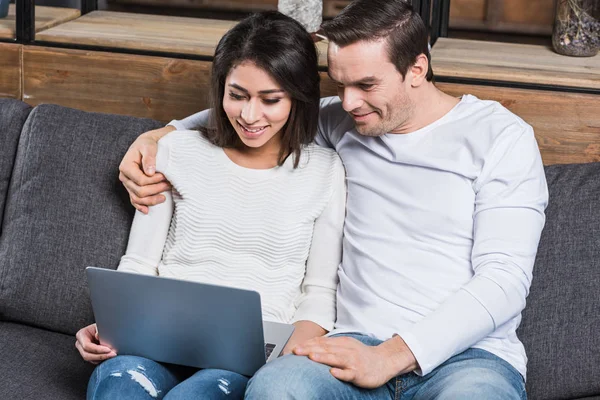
x,y
445,209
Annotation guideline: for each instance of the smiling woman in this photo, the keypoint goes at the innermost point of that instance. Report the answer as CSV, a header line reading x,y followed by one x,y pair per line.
x,y
258,109
254,205
272,75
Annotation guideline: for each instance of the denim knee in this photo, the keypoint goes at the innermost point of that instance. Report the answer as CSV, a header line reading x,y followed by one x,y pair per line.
x,y
289,377
210,384
130,377
486,378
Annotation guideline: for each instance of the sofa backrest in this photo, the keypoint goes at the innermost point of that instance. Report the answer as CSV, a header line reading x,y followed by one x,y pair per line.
x,y
65,210
561,322
13,114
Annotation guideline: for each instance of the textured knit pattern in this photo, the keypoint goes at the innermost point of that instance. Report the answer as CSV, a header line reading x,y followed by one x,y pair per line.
x,y
250,229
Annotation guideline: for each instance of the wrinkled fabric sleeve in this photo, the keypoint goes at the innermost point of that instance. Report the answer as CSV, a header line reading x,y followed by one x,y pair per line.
x,y
511,196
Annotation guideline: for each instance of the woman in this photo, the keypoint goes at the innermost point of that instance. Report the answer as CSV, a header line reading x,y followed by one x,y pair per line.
x,y
254,205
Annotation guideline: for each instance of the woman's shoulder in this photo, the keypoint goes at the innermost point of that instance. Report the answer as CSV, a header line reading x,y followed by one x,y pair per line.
x,y
182,147
185,142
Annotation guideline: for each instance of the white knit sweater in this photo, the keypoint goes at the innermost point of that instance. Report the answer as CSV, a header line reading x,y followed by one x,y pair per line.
x,y
277,231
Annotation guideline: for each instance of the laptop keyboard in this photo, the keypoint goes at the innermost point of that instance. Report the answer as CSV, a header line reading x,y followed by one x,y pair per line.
x,y
269,349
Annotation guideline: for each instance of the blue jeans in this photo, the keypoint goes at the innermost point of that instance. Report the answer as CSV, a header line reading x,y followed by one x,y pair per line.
x,y
131,377
473,374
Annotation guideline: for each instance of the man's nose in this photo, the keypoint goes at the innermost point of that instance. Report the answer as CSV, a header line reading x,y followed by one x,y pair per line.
x,y
251,112
351,99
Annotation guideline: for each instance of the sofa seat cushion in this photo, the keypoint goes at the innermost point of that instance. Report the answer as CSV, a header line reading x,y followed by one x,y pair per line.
x,y
39,364
561,327
13,114
65,210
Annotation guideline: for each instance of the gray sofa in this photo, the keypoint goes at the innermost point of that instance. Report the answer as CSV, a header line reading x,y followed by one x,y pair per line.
x,y
62,208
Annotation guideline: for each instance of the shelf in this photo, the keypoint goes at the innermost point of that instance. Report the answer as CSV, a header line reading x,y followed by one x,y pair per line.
x,y
517,63
45,18
157,33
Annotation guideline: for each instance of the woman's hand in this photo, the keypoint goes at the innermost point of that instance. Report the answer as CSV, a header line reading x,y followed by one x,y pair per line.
x,y
138,171
304,330
89,345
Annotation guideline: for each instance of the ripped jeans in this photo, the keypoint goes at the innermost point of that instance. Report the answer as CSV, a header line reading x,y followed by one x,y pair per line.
x,y
131,377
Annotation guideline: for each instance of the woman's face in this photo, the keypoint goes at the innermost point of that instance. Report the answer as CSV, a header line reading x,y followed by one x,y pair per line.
x,y
256,105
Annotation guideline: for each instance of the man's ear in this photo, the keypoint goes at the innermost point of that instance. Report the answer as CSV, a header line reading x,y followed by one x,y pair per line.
x,y
419,70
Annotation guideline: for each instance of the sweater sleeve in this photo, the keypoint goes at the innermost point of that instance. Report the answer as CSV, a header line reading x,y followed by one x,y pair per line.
x,y
317,302
510,197
192,122
149,231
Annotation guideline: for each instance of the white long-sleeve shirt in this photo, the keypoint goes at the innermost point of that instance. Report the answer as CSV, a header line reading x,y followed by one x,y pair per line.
x,y
276,231
441,230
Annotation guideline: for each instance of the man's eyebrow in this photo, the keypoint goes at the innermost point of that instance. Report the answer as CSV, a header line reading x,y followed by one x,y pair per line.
x,y
367,80
270,91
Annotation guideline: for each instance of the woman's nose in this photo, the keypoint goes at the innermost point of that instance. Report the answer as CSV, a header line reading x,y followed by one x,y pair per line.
x,y
251,112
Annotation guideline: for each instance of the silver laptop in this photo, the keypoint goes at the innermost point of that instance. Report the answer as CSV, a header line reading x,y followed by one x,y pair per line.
x,y
182,322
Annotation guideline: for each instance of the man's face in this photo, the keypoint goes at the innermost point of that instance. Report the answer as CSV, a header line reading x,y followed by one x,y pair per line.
x,y
372,90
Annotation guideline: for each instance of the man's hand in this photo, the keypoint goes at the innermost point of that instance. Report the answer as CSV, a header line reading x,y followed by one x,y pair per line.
x,y
138,174
89,346
364,366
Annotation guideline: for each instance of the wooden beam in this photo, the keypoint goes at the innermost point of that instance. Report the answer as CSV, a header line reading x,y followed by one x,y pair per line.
x,y
152,87
510,62
142,32
45,18
142,86
566,125
10,65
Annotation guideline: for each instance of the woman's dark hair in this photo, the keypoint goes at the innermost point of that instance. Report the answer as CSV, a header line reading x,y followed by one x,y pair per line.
x,y
394,20
280,46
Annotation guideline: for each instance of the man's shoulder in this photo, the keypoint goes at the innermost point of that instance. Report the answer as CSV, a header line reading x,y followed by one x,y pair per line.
x,y
331,110
493,113
334,121
490,121
322,155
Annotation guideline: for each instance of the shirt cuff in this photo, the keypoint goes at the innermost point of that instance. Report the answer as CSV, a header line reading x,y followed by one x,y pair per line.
x,y
177,125
455,326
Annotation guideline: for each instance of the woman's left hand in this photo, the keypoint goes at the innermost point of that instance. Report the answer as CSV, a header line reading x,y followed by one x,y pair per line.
x,y
304,330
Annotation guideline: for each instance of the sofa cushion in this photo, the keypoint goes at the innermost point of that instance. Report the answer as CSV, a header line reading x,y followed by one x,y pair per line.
x,y
561,327
39,364
13,114
66,210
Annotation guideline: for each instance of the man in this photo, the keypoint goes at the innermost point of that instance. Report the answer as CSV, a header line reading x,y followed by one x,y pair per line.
x,y
445,208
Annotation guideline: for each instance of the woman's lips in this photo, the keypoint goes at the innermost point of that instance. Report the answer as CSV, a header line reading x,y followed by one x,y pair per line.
x,y
253,132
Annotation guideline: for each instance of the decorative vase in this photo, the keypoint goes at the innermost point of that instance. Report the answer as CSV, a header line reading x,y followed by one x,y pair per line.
x,y
576,28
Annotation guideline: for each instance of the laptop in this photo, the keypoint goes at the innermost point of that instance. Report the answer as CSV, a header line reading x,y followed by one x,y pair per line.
x,y
182,322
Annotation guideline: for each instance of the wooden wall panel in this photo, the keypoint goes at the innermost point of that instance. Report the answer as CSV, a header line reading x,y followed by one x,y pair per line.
x,y
10,70
468,10
535,12
512,16
328,87
152,87
566,125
